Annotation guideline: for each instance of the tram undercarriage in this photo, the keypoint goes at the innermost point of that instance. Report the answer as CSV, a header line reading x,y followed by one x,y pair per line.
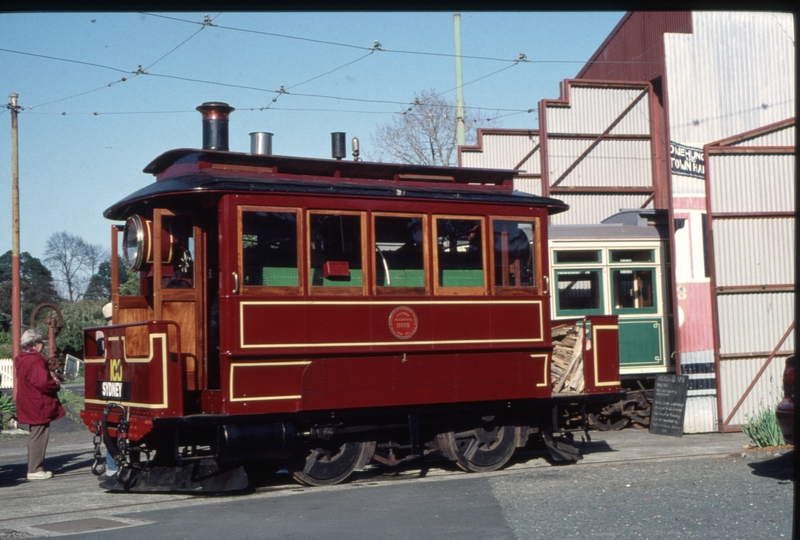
x,y
208,455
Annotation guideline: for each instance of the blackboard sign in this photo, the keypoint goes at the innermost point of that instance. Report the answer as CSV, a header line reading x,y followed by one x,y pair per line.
x,y
669,405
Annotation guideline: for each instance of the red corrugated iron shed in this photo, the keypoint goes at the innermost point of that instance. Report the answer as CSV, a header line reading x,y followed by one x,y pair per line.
x,y
634,50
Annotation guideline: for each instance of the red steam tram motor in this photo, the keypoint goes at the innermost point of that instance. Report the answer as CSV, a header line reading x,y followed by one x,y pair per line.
x,y
317,315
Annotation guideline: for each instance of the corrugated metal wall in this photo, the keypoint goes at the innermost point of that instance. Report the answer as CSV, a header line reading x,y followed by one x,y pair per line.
x,y
503,149
736,375
753,183
528,185
784,136
587,208
701,401
634,51
751,205
733,74
592,110
507,149
597,137
612,163
767,317
745,254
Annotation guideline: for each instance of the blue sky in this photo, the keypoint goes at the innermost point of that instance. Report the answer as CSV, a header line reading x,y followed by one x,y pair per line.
x,y
90,124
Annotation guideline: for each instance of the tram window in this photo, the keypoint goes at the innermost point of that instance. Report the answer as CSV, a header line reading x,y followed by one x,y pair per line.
x,y
460,252
335,244
269,249
631,255
579,290
633,289
179,272
399,256
569,256
513,253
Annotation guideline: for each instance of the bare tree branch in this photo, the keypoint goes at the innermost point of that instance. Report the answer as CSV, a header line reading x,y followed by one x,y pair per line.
x,y
72,262
424,134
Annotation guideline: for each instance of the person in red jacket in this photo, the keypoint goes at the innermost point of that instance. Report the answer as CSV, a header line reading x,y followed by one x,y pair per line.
x,y
37,400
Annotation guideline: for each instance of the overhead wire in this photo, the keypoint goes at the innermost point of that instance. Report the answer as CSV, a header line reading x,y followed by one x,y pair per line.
x,y
205,23
209,22
388,50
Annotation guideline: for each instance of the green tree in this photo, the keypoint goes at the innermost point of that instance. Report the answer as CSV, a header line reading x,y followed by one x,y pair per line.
x,y
5,344
36,286
77,316
130,287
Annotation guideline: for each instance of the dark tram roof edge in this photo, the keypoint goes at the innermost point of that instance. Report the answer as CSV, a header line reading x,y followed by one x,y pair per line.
x,y
183,171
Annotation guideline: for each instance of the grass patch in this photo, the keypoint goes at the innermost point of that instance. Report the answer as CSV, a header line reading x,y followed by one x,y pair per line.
x,y
72,403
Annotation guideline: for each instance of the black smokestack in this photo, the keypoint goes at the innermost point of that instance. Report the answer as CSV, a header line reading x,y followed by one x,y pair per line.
x,y
215,125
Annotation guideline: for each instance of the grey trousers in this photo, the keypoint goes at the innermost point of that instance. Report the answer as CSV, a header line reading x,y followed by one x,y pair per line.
x,y
37,445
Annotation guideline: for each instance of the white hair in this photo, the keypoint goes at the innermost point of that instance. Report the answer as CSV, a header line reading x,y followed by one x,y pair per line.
x,y
31,337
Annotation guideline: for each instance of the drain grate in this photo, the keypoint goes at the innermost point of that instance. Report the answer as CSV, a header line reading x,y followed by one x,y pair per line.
x,y
83,525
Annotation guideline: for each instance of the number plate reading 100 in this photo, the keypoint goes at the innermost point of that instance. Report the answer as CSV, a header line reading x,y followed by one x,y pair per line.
x,y
120,390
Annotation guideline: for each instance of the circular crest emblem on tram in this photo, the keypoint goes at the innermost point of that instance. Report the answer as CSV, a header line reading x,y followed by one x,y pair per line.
x,y
403,322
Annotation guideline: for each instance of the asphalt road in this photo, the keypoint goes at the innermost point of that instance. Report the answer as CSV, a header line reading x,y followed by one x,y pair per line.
x,y
630,484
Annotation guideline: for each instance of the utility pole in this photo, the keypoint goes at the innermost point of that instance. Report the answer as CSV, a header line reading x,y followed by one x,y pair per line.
x,y
16,304
460,136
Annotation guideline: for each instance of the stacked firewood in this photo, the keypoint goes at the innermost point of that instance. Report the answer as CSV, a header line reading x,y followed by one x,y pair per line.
x,y
566,368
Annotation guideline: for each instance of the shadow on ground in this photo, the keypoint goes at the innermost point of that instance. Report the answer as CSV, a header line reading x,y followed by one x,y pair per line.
x,y
780,467
14,474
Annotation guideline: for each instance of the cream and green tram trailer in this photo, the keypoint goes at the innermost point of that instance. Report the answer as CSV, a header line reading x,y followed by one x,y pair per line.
x,y
619,267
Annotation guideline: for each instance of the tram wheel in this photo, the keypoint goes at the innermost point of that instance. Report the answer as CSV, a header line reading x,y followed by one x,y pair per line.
x,y
479,450
331,464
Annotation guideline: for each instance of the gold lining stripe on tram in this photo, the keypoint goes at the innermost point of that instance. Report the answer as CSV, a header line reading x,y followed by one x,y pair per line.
x,y
141,360
242,304
546,366
262,364
596,347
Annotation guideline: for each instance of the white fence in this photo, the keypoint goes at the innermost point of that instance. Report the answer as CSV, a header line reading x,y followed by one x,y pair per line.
x,y
6,373
72,368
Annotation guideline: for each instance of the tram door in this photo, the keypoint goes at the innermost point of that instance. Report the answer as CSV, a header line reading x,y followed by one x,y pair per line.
x,y
623,280
179,290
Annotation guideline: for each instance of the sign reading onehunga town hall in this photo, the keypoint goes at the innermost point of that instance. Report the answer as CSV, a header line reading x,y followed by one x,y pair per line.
x,y
687,160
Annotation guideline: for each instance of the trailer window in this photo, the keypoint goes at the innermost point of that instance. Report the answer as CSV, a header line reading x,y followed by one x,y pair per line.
x,y
572,256
513,253
399,254
632,255
460,255
336,251
633,290
269,249
578,291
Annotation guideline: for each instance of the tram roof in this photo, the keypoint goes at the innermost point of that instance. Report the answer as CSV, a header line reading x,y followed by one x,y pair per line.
x,y
186,158
182,172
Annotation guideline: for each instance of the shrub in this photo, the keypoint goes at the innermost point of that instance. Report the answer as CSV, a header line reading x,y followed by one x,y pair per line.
x,y
8,409
763,429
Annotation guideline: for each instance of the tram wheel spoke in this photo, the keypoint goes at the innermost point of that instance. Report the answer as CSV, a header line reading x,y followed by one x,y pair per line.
x,y
480,450
331,464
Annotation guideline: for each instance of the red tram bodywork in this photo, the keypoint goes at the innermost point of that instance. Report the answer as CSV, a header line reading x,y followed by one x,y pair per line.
x,y
324,313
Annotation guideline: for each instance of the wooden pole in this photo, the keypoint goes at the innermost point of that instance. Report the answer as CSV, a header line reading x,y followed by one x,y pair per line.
x,y
16,303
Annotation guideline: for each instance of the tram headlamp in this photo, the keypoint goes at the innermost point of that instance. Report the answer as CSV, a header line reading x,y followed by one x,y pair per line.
x,y
137,241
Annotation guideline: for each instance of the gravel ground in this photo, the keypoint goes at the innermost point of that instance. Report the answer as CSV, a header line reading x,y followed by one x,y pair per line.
x,y
738,497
